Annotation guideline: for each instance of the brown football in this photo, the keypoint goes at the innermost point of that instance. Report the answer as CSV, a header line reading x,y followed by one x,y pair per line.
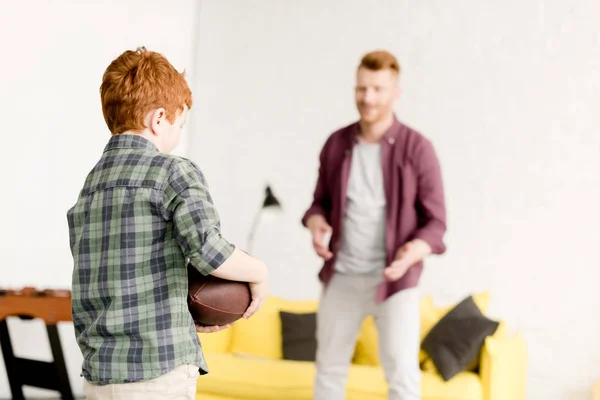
x,y
215,301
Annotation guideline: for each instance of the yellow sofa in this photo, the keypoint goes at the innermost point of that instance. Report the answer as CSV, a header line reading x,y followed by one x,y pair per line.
x,y
245,362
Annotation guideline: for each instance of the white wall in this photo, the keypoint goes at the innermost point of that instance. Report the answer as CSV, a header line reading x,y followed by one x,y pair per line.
x,y
507,91
53,57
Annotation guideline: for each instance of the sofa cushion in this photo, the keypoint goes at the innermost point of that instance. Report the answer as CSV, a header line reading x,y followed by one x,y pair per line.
x,y
249,377
501,332
457,339
367,347
368,383
216,342
260,335
298,336
431,314
265,379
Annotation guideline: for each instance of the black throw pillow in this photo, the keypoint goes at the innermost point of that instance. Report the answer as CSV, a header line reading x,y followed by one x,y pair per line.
x,y
457,339
298,334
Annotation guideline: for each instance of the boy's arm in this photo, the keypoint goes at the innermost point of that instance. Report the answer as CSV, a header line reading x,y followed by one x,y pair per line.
x,y
242,267
187,202
196,223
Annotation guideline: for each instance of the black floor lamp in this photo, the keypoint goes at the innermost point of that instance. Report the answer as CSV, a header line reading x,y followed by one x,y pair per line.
x,y
270,201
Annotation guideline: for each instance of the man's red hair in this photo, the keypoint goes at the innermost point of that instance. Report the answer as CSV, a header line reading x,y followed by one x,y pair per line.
x,y
381,59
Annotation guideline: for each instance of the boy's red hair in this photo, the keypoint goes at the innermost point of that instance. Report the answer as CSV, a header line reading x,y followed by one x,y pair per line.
x,y
138,82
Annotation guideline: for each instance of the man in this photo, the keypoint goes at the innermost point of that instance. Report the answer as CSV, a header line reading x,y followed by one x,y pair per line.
x,y
140,217
379,195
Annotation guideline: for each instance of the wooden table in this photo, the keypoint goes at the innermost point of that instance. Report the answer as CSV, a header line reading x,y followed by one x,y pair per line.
x,y
52,306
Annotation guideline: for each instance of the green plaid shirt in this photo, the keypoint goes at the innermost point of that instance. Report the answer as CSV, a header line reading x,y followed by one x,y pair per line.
x,y
140,215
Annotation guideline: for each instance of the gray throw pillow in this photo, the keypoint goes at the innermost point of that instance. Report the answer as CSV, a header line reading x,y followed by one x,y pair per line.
x,y
457,339
298,334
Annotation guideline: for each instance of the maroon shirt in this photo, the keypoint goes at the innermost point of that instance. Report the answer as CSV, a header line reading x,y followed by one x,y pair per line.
x,y
414,193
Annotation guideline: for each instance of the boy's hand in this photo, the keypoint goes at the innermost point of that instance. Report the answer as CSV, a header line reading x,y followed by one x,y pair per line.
x,y
210,329
259,293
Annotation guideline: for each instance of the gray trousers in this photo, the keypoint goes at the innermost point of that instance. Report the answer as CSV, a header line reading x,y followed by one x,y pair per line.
x,y
345,303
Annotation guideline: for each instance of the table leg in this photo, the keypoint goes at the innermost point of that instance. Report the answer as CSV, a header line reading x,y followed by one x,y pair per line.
x,y
10,361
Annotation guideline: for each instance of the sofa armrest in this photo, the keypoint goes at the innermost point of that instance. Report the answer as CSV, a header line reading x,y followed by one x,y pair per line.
x,y
503,368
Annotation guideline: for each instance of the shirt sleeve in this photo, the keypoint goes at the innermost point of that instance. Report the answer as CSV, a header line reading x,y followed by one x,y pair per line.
x,y
430,202
187,202
321,203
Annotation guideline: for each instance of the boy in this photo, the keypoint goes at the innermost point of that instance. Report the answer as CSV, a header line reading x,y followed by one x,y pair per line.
x,y
141,216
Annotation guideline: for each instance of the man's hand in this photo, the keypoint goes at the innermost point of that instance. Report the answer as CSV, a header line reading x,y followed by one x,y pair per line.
x,y
259,292
320,229
210,329
406,256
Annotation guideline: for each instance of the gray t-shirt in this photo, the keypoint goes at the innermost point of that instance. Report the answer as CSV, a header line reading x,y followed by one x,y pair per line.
x,y
362,247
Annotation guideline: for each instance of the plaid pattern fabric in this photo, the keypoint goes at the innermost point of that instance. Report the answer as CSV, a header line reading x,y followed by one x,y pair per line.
x,y
139,217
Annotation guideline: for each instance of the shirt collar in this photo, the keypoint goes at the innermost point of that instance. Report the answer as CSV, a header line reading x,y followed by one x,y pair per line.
x,y
129,141
390,135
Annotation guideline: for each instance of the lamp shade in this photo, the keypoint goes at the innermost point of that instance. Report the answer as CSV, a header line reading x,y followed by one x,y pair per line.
x,y
270,199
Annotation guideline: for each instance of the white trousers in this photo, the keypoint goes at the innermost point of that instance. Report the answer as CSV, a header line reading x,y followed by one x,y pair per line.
x,y
345,303
179,384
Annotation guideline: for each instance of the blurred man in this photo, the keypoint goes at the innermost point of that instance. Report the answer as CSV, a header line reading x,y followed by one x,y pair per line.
x,y
379,194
